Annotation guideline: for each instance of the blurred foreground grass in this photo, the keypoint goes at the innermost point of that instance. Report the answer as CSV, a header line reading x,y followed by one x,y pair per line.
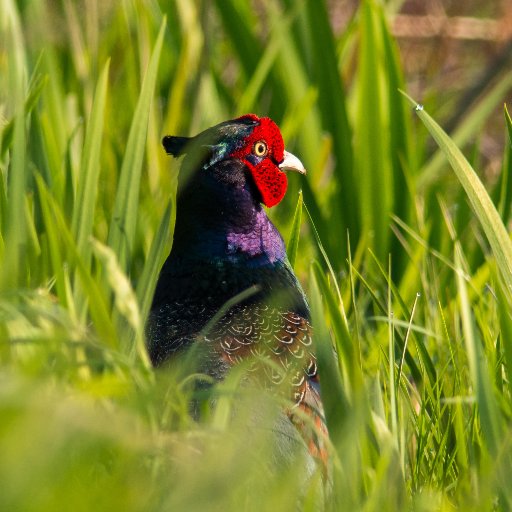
x,y
411,280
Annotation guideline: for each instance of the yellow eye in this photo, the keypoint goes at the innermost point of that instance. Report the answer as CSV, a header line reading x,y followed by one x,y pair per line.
x,y
260,148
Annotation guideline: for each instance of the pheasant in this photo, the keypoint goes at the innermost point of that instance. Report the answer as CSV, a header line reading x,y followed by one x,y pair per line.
x,y
224,244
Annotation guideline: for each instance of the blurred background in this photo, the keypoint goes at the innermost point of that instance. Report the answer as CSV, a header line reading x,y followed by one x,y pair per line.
x,y
458,48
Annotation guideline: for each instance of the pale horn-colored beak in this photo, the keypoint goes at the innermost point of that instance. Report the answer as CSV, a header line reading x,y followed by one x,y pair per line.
x,y
291,163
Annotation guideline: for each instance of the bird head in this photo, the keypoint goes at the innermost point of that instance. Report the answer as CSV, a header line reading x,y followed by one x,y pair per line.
x,y
254,141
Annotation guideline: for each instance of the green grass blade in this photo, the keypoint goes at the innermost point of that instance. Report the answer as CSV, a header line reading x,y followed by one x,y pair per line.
x,y
124,217
426,362
62,243
336,404
479,199
335,401
348,354
325,257
147,282
374,172
505,318
87,189
509,125
400,160
188,63
13,271
55,128
320,225
333,109
239,20
504,189
37,85
51,241
346,409
12,267
260,75
293,241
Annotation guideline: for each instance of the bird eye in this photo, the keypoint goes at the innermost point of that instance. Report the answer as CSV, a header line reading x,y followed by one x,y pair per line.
x,y
260,148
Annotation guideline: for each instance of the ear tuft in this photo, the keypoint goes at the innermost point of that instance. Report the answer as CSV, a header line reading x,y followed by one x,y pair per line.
x,y
175,146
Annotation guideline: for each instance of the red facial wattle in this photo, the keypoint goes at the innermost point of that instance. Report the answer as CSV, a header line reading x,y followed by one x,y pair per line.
x,y
270,180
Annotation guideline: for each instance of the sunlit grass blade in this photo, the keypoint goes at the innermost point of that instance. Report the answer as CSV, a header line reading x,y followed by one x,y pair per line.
x,y
124,216
392,389
406,340
479,199
489,415
125,302
468,127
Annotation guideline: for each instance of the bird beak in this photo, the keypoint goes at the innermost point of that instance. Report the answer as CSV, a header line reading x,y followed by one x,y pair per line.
x,y
291,163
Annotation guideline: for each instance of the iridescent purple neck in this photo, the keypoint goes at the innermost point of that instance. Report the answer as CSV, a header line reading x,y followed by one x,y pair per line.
x,y
216,223
261,243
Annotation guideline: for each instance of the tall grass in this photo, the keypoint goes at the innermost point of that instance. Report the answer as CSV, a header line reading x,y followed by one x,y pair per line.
x,y
404,251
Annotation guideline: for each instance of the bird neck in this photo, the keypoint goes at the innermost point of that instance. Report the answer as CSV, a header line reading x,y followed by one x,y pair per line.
x,y
219,224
